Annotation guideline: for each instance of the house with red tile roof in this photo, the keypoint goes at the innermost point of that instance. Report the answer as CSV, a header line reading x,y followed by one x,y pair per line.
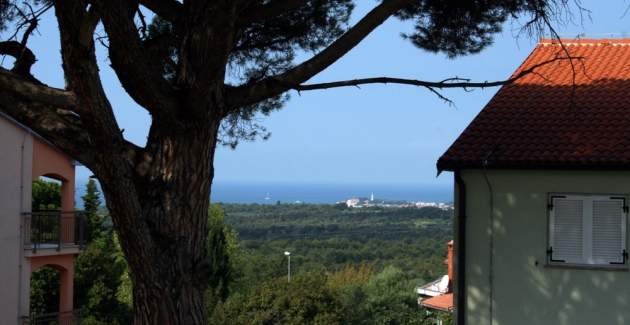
x,y
542,182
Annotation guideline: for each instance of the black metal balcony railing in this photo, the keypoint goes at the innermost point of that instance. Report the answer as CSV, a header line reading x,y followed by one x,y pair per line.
x,y
65,318
54,229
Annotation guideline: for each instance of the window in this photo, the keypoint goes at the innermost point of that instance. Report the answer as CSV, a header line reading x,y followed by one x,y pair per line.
x,y
587,229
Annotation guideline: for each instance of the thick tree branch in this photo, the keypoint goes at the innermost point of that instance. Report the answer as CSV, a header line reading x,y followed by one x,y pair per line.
x,y
138,73
82,76
170,10
52,113
47,111
36,91
88,25
82,73
61,127
204,49
115,158
273,86
24,57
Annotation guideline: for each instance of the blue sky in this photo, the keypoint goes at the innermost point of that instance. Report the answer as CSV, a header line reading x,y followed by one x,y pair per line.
x,y
383,134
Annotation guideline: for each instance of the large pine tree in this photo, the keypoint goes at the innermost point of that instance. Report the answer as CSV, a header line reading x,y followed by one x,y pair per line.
x,y
202,69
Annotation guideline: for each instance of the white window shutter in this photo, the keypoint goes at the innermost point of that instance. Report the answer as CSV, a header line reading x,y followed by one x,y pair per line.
x,y
567,230
608,231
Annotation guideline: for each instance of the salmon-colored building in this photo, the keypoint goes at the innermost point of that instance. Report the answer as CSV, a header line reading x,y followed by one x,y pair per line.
x,y
30,240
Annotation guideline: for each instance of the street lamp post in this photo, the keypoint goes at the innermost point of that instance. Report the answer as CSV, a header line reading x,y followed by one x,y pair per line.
x,y
288,255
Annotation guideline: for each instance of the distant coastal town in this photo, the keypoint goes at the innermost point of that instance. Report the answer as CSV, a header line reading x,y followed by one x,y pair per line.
x,y
364,202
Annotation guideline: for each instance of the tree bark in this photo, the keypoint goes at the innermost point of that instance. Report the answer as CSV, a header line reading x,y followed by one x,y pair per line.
x,y
168,267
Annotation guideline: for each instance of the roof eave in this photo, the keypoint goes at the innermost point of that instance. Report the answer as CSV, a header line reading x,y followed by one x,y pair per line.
x,y
459,165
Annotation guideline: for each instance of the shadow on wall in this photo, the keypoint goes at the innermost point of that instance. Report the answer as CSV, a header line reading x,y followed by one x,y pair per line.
x,y
524,289
575,293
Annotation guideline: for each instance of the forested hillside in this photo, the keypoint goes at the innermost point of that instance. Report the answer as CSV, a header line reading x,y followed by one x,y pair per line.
x,y
326,237
349,266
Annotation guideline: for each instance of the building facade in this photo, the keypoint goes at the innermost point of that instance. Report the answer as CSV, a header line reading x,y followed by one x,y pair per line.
x,y
511,276
30,240
542,188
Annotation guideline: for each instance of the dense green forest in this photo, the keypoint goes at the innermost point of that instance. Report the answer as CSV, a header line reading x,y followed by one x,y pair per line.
x,y
348,265
328,237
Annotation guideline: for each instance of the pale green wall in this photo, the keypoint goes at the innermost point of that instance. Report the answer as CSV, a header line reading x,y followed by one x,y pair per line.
x,y
526,293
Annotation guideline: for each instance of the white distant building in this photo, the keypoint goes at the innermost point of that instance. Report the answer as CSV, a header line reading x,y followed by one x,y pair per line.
x,y
353,202
439,205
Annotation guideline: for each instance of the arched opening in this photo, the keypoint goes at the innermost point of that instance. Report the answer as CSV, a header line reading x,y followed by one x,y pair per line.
x,y
46,194
45,217
51,290
45,295
52,219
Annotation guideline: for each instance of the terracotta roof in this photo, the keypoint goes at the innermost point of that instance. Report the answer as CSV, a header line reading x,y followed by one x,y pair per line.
x,y
545,120
442,302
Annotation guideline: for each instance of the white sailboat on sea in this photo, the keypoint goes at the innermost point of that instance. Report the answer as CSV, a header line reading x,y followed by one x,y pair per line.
x,y
267,197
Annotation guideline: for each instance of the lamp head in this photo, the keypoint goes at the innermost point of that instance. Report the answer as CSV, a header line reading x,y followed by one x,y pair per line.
x,y
287,253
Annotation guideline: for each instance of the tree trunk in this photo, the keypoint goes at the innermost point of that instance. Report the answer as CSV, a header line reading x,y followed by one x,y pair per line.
x,y
167,260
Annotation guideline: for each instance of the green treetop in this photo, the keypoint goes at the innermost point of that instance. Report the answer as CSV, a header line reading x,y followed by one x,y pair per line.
x,y
91,204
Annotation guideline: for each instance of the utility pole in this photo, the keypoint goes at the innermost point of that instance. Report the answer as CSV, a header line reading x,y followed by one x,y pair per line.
x,y
288,255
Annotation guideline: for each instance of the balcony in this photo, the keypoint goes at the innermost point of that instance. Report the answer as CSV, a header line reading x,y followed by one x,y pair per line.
x,y
64,318
54,230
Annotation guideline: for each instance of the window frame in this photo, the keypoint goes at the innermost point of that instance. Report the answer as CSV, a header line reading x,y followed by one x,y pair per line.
x,y
587,241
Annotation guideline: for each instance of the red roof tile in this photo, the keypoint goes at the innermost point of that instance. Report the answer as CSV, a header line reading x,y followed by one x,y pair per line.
x,y
543,121
442,302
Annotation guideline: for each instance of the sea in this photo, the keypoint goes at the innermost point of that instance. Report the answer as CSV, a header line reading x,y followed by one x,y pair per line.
x,y
266,193
272,193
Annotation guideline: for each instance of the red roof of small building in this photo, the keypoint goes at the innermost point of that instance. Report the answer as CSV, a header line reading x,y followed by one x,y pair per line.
x,y
563,116
442,302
